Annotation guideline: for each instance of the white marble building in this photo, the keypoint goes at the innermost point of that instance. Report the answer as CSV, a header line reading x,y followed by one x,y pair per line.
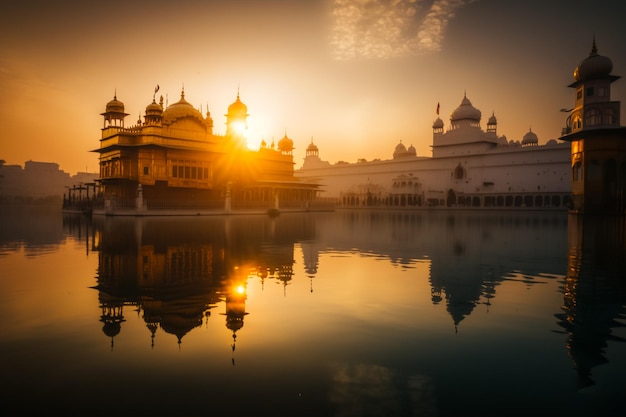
x,y
469,167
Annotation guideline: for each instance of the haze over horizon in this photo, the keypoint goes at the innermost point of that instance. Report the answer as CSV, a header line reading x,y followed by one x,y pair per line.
x,y
355,76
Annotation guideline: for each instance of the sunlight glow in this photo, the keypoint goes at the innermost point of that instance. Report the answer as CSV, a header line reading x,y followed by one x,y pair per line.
x,y
240,129
254,144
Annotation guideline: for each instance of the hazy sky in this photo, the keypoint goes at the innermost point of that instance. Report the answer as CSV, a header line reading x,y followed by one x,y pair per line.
x,y
355,76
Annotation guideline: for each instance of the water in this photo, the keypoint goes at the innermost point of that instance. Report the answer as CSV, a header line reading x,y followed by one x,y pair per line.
x,y
351,313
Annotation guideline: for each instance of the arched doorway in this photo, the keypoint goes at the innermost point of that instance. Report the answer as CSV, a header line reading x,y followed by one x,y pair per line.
x,y
451,201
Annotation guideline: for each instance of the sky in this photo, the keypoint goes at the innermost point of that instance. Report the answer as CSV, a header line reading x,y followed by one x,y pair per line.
x,y
355,77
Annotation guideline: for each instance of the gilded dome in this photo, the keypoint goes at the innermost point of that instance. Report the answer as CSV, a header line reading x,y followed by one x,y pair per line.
x,y
285,144
400,148
492,120
594,66
115,106
438,123
530,138
181,109
238,108
154,109
312,148
466,111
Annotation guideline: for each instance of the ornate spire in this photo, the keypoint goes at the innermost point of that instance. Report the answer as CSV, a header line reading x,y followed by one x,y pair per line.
x,y
594,48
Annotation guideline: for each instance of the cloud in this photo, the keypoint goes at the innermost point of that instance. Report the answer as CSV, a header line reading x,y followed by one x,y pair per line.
x,y
382,29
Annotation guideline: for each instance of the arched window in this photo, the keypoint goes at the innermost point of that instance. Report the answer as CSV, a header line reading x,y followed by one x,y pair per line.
x,y
577,171
538,201
452,199
459,172
593,117
528,201
608,117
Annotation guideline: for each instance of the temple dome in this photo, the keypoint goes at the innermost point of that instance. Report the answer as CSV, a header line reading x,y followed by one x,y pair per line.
x,y
401,151
438,123
530,138
154,109
400,148
115,106
285,144
312,148
238,108
181,109
594,66
466,111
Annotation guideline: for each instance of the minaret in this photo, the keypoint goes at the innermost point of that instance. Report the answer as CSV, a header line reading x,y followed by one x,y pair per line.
x,y
438,123
209,121
437,132
312,150
598,140
492,124
154,113
114,114
237,122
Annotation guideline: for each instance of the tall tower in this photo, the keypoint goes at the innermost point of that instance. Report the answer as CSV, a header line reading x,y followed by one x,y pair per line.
x,y
598,140
237,122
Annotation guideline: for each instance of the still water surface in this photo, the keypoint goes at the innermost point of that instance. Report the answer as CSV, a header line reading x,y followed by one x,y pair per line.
x,y
351,313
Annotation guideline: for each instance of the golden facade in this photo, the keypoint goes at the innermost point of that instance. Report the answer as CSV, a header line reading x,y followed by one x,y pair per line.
x,y
172,159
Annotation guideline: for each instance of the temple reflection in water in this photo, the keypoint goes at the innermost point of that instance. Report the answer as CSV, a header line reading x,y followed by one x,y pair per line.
x,y
594,294
177,271
387,311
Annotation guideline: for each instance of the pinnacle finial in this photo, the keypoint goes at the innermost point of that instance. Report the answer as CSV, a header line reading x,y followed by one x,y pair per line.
x,y
594,48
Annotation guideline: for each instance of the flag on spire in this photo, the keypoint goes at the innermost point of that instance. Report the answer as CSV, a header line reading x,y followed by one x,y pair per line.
x,y
156,89
437,109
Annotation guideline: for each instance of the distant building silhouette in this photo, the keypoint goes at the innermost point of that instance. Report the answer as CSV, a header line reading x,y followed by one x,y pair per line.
x,y
37,180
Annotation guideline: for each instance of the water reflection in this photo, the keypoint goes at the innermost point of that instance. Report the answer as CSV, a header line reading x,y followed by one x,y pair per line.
x,y
345,313
469,253
594,293
34,229
175,271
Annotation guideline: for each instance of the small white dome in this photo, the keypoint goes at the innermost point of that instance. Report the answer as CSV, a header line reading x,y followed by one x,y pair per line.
x,y
466,111
530,138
